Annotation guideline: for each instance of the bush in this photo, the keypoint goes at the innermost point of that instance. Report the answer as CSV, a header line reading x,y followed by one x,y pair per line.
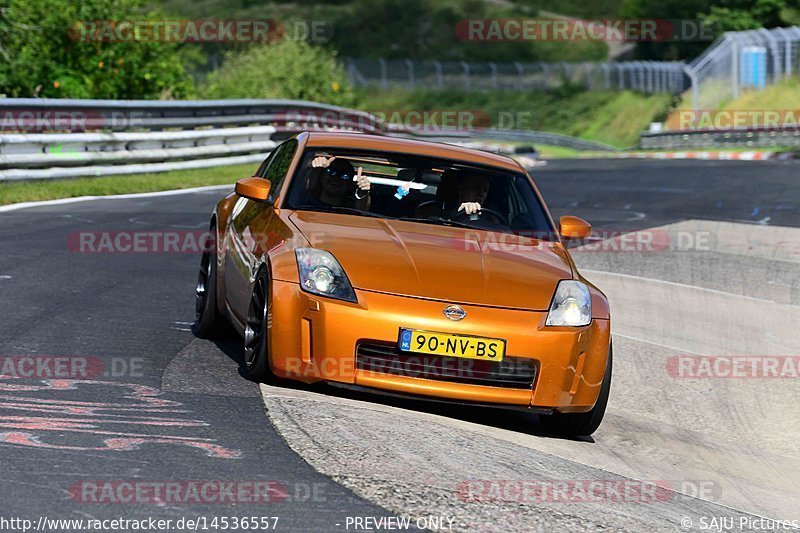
x,y
287,69
43,55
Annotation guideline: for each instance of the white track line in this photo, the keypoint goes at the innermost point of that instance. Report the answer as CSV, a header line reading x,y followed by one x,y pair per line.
x,y
676,284
24,205
667,346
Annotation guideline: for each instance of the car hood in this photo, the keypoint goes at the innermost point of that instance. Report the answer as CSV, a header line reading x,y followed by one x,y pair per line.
x,y
444,263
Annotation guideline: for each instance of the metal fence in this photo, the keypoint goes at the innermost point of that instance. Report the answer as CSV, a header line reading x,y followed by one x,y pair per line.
x,y
736,61
743,60
644,76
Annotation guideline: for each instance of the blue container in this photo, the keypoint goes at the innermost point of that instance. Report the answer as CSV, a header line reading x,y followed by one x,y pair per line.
x,y
753,67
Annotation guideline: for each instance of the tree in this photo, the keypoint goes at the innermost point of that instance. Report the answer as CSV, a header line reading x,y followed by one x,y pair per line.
x,y
723,15
667,10
48,50
734,15
420,29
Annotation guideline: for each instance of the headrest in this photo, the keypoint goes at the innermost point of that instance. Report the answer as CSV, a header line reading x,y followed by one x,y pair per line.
x,y
406,174
447,191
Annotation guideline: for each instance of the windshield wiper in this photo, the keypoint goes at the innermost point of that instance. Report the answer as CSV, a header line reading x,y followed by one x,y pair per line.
x,y
339,209
439,221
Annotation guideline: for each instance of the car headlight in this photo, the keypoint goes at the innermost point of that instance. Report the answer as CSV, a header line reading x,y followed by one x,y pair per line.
x,y
572,305
321,274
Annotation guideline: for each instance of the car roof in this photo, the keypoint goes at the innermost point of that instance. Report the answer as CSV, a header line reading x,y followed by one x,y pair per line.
x,y
408,146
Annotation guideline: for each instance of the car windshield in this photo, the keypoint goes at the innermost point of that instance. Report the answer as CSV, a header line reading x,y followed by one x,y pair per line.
x,y
418,189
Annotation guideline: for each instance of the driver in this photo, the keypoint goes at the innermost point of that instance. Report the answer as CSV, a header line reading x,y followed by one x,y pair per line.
x,y
472,192
468,193
332,183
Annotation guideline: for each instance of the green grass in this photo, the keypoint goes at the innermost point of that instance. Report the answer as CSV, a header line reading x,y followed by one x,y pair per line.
x,y
557,152
782,96
613,117
29,191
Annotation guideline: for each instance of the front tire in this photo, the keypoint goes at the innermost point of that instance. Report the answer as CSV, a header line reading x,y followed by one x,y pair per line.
x,y
581,424
256,332
207,323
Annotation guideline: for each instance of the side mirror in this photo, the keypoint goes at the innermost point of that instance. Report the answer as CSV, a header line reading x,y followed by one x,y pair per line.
x,y
574,228
256,189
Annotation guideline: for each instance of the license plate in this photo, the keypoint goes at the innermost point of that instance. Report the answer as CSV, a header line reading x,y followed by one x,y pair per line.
x,y
464,346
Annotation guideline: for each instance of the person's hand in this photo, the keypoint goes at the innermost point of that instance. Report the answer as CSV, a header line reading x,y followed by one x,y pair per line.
x,y
470,208
363,181
322,161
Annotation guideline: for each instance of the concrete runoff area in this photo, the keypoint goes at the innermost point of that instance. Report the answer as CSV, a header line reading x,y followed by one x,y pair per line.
x,y
725,446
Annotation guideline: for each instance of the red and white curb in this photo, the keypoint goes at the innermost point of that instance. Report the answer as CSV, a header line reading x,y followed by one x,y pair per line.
x,y
729,156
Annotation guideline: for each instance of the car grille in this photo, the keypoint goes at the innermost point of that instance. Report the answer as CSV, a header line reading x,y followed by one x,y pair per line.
x,y
386,358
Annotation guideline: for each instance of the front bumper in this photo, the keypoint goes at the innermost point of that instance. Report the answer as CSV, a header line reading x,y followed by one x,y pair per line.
x,y
314,338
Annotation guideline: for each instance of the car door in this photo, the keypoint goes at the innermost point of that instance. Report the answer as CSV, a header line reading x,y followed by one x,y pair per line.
x,y
250,232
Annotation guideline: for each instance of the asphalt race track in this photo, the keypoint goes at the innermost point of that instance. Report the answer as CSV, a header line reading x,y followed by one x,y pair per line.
x,y
159,405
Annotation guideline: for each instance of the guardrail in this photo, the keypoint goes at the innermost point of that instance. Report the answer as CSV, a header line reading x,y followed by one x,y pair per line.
x,y
44,150
726,138
150,115
157,136
154,136
542,137
110,137
48,155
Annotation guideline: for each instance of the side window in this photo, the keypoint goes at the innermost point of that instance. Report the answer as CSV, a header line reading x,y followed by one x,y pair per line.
x,y
278,165
262,168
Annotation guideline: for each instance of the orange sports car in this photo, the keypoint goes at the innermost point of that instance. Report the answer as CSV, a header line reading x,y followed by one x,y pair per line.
x,y
410,268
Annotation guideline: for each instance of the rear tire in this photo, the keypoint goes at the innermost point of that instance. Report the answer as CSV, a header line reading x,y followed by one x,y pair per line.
x,y
207,323
581,424
256,332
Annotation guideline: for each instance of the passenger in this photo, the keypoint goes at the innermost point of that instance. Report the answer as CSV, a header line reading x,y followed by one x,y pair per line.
x,y
331,183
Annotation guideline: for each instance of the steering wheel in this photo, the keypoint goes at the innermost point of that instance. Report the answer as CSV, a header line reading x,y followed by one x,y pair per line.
x,y
426,203
461,215
429,205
